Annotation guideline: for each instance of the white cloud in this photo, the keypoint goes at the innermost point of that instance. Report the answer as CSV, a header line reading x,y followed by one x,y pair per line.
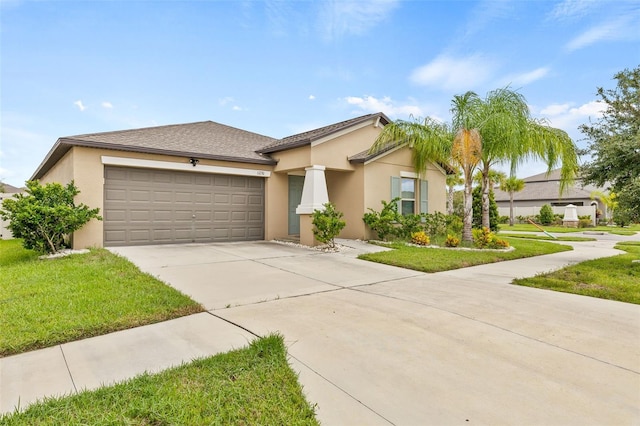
x,y
339,18
226,100
236,108
449,73
623,28
568,117
311,97
525,78
107,104
372,104
571,9
80,105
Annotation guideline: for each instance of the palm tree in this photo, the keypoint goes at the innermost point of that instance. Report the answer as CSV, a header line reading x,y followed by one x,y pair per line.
x,y
511,185
434,141
510,134
610,202
453,180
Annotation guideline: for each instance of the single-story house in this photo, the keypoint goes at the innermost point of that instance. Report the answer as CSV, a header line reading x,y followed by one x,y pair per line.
x,y
544,188
208,182
7,191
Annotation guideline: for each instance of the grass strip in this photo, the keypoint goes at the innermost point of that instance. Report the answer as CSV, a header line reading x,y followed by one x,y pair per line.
x,y
249,386
525,227
545,237
48,302
444,259
614,278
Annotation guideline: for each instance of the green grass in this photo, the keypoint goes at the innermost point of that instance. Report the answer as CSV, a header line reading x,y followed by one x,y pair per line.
x,y
545,237
525,227
614,278
254,385
48,302
443,259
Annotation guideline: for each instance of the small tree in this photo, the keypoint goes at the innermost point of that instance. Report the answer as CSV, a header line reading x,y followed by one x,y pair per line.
x,y
327,224
546,215
511,185
46,216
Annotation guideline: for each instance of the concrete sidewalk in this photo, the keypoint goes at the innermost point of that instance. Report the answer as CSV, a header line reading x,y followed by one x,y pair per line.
x,y
376,344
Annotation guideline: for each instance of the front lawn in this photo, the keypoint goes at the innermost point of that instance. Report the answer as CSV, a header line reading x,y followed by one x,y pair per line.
x,y
444,259
48,302
546,237
250,386
525,227
615,278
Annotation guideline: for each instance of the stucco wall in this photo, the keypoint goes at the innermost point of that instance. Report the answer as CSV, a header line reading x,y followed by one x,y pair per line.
x,y
378,180
276,206
84,166
346,191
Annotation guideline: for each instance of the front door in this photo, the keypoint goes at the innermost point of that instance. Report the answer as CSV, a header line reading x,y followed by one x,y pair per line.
x,y
295,196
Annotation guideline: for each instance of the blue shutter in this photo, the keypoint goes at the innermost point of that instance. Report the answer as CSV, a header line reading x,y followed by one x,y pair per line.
x,y
396,188
424,196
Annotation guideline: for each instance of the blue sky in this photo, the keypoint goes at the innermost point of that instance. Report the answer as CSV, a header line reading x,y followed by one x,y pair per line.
x,y
282,67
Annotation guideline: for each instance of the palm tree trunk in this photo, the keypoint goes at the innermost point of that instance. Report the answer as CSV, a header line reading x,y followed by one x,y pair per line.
x,y
467,219
450,200
510,208
486,223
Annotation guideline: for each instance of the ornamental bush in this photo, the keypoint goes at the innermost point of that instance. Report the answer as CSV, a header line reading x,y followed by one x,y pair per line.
x,y
546,215
420,238
485,239
46,216
327,224
383,222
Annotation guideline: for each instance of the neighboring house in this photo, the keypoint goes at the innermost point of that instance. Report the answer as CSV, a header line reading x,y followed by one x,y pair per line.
x,y
544,189
7,191
207,182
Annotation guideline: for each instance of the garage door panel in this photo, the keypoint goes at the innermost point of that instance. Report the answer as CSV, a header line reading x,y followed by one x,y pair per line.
x,y
140,216
144,206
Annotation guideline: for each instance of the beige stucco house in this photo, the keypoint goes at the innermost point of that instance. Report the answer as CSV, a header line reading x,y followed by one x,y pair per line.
x,y
207,182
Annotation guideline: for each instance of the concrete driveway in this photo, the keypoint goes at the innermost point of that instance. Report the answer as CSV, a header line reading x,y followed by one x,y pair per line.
x,y
376,344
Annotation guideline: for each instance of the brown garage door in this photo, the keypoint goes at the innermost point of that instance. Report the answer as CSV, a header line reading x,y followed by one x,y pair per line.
x,y
147,206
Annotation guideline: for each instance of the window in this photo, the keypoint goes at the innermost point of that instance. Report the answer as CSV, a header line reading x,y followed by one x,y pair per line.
x,y
408,196
406,189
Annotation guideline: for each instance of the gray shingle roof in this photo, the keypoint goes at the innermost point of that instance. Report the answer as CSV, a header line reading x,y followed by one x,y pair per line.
x,y
205,139
543,187
305,138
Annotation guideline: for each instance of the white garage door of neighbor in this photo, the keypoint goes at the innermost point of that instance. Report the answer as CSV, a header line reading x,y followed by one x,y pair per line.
x,y
148,206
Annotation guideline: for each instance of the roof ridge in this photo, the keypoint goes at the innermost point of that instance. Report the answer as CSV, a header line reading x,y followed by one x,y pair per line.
x,y
303,138
112,132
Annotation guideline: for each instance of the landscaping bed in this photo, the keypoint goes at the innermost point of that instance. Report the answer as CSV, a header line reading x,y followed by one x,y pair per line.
x,y
444,259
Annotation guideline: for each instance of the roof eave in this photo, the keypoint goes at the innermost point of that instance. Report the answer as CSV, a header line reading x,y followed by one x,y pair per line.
x,y
63,145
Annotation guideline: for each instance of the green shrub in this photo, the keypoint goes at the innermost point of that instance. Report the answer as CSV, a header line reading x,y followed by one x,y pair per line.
x,y
454,224
420,238
383,222
46,216
327,224
407,225
435,224
585,223
546,215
